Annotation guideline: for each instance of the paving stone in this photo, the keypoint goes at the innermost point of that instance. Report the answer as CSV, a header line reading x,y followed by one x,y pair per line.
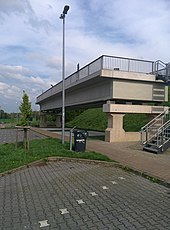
x,y
120,226
94,228
38,193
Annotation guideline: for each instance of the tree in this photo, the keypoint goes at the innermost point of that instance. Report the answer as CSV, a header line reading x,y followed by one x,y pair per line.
x,y
25,109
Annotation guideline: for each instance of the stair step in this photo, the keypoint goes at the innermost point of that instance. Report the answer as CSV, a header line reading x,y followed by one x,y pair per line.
x,y
156,125
151,149
151,143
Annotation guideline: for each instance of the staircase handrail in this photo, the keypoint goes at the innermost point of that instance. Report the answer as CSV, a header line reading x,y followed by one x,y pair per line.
x,y
168,64
164,65
160,63
154,120
163,126
160,131
145,130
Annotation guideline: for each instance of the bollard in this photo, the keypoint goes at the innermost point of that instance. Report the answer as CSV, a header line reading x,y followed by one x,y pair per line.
x,y
71,139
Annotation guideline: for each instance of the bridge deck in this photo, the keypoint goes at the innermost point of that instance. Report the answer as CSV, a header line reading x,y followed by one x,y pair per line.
x,y
107,78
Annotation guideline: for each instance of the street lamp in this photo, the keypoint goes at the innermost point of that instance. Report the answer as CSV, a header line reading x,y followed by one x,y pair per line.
x,y
65,10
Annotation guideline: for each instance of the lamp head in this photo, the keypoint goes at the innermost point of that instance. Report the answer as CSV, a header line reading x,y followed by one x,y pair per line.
x,y
66,8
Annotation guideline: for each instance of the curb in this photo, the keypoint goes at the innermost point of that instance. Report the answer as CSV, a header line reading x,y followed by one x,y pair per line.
x,y
150,177
45,161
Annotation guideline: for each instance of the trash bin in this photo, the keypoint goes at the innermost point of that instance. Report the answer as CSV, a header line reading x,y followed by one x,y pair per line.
x,y
80,137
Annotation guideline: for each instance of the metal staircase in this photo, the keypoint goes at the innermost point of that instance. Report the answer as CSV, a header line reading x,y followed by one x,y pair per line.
x,y
162,71
155,136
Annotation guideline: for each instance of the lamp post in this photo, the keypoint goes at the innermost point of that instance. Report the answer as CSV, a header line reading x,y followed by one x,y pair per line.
x,y
65,10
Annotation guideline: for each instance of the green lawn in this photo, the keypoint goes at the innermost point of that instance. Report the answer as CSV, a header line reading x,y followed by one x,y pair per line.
x,y
93,119
11,158
96,119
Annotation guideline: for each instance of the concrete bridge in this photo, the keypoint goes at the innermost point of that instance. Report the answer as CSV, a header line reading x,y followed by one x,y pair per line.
x,y
120,85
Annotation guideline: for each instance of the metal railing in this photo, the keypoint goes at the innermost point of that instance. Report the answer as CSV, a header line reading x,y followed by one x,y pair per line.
x,y
128,64
103,62
163,134
150,130
162,70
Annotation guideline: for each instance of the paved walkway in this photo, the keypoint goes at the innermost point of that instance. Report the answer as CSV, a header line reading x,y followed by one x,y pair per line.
x,y
129,154
81,196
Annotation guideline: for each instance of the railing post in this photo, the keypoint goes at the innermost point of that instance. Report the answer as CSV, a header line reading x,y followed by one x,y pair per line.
x,y
147,134
162,135
157,66
166,72
128,65
157,138
141,135
153,64
102,57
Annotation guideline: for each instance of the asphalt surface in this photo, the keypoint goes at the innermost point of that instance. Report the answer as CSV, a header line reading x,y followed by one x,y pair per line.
x,y
9,135
79,195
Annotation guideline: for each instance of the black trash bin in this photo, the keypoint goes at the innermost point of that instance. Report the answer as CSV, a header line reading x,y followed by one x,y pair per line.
x,y
80,137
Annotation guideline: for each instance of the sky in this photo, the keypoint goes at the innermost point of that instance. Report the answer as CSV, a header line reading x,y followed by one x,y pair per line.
x,y
31,40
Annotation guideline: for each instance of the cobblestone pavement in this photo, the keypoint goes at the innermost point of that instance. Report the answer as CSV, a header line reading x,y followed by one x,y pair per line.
x,y
9,135
78,195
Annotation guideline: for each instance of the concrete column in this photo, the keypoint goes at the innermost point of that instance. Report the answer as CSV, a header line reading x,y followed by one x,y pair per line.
x,y
58,120
43,122
115,131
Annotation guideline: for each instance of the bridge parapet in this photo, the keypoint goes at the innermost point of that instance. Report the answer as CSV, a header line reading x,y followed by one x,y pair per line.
x,y
104,62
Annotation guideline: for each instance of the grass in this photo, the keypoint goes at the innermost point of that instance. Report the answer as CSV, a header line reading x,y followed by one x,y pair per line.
x,y
134,122
11,158
93,119
96,119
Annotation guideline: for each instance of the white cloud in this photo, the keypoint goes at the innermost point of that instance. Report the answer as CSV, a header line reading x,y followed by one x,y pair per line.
x,y
54,62
13,6
3,87
12,92
31,39
19,79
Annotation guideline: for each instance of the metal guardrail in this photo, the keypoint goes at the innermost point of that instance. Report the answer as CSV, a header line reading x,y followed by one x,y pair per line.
x,y
103,62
